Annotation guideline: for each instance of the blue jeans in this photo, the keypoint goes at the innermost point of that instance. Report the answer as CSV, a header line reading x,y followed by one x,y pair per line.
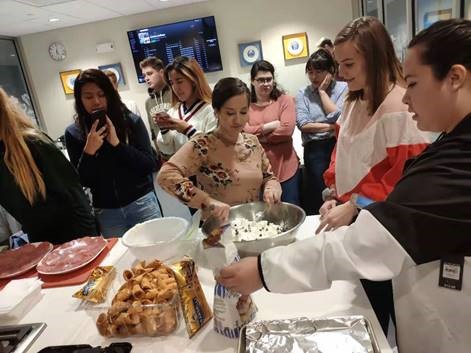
x,y
114,222
290,189
316,160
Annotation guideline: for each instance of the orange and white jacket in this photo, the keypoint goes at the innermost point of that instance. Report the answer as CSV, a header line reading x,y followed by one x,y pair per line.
x,y
370,153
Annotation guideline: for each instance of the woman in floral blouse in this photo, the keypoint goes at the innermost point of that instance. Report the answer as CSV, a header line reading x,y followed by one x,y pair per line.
x,y
231,166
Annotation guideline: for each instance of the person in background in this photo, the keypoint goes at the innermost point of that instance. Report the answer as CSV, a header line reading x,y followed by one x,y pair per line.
x,y
191,112
375,138
230,166
40,189
327,44
318,107
423,226
130,104
272,118
113,157
8,226
159,92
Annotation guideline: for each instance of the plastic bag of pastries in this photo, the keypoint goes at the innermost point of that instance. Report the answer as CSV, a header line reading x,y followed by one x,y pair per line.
x,y
146,304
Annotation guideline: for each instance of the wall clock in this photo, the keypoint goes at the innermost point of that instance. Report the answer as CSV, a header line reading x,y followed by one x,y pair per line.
x,y
57,51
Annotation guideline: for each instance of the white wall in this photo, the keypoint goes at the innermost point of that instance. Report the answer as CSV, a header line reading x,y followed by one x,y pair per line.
x,y
237,21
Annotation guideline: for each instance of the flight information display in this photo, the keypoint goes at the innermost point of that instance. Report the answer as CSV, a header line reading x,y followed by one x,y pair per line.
x,y
195,38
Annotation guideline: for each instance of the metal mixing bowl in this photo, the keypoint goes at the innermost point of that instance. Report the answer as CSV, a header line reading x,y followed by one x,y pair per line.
x,y
289,216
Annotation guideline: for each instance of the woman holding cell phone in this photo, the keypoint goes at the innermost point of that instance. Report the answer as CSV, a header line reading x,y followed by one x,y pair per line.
x,y
191,112
111,150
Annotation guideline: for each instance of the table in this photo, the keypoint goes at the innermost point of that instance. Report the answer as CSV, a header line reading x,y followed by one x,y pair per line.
x,y
68,323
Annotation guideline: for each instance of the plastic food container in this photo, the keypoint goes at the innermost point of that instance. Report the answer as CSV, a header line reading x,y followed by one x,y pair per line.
x,y
18,297
131,319
142,300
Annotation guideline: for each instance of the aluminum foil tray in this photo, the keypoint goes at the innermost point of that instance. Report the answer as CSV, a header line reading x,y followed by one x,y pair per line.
x,y
340,334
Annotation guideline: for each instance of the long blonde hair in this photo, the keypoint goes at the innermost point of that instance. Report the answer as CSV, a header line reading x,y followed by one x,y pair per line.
x,y
14,127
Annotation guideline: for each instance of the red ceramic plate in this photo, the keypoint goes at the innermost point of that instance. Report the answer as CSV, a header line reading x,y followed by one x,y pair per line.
x,y
71,256
20,260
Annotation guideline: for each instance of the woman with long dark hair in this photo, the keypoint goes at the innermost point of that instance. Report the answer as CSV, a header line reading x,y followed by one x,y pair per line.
x,y
230,166
111,150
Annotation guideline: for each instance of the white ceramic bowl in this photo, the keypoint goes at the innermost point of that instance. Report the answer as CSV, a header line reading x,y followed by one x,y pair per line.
x,y
159,238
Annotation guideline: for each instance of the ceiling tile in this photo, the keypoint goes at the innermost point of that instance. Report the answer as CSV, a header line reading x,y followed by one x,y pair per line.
x,y
83,9
40,3
20,17
25,27
19,10
124,7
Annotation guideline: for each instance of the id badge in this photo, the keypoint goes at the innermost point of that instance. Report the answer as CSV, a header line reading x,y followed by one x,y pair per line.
x,y
451,272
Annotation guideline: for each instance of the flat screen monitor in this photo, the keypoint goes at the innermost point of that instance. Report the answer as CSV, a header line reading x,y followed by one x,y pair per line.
x,y
195,38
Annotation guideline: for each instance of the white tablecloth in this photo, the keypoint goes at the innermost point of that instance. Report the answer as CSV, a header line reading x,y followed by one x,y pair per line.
x,y
67,323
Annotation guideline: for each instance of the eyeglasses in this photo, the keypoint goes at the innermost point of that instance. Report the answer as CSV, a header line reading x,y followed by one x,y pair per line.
x,y
262,80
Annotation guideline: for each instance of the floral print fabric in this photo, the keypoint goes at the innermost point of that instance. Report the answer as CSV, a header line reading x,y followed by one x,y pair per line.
x,y
229,173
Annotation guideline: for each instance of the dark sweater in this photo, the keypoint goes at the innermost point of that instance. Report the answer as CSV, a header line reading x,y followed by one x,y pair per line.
x,y
65,214
117,175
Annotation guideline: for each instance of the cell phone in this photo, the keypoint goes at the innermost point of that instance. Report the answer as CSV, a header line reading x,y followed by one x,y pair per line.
x,y
118,347
65,349
101,116
360,201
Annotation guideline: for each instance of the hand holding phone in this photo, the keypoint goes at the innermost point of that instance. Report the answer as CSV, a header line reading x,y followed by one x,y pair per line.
x,y
98,132
163,121
94,139
161,117
99,115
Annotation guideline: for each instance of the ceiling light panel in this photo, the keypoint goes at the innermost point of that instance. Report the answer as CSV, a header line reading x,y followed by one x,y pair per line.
x,y
42,3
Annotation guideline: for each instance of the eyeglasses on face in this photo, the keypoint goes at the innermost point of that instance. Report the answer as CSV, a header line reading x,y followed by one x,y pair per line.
x,y
261,80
